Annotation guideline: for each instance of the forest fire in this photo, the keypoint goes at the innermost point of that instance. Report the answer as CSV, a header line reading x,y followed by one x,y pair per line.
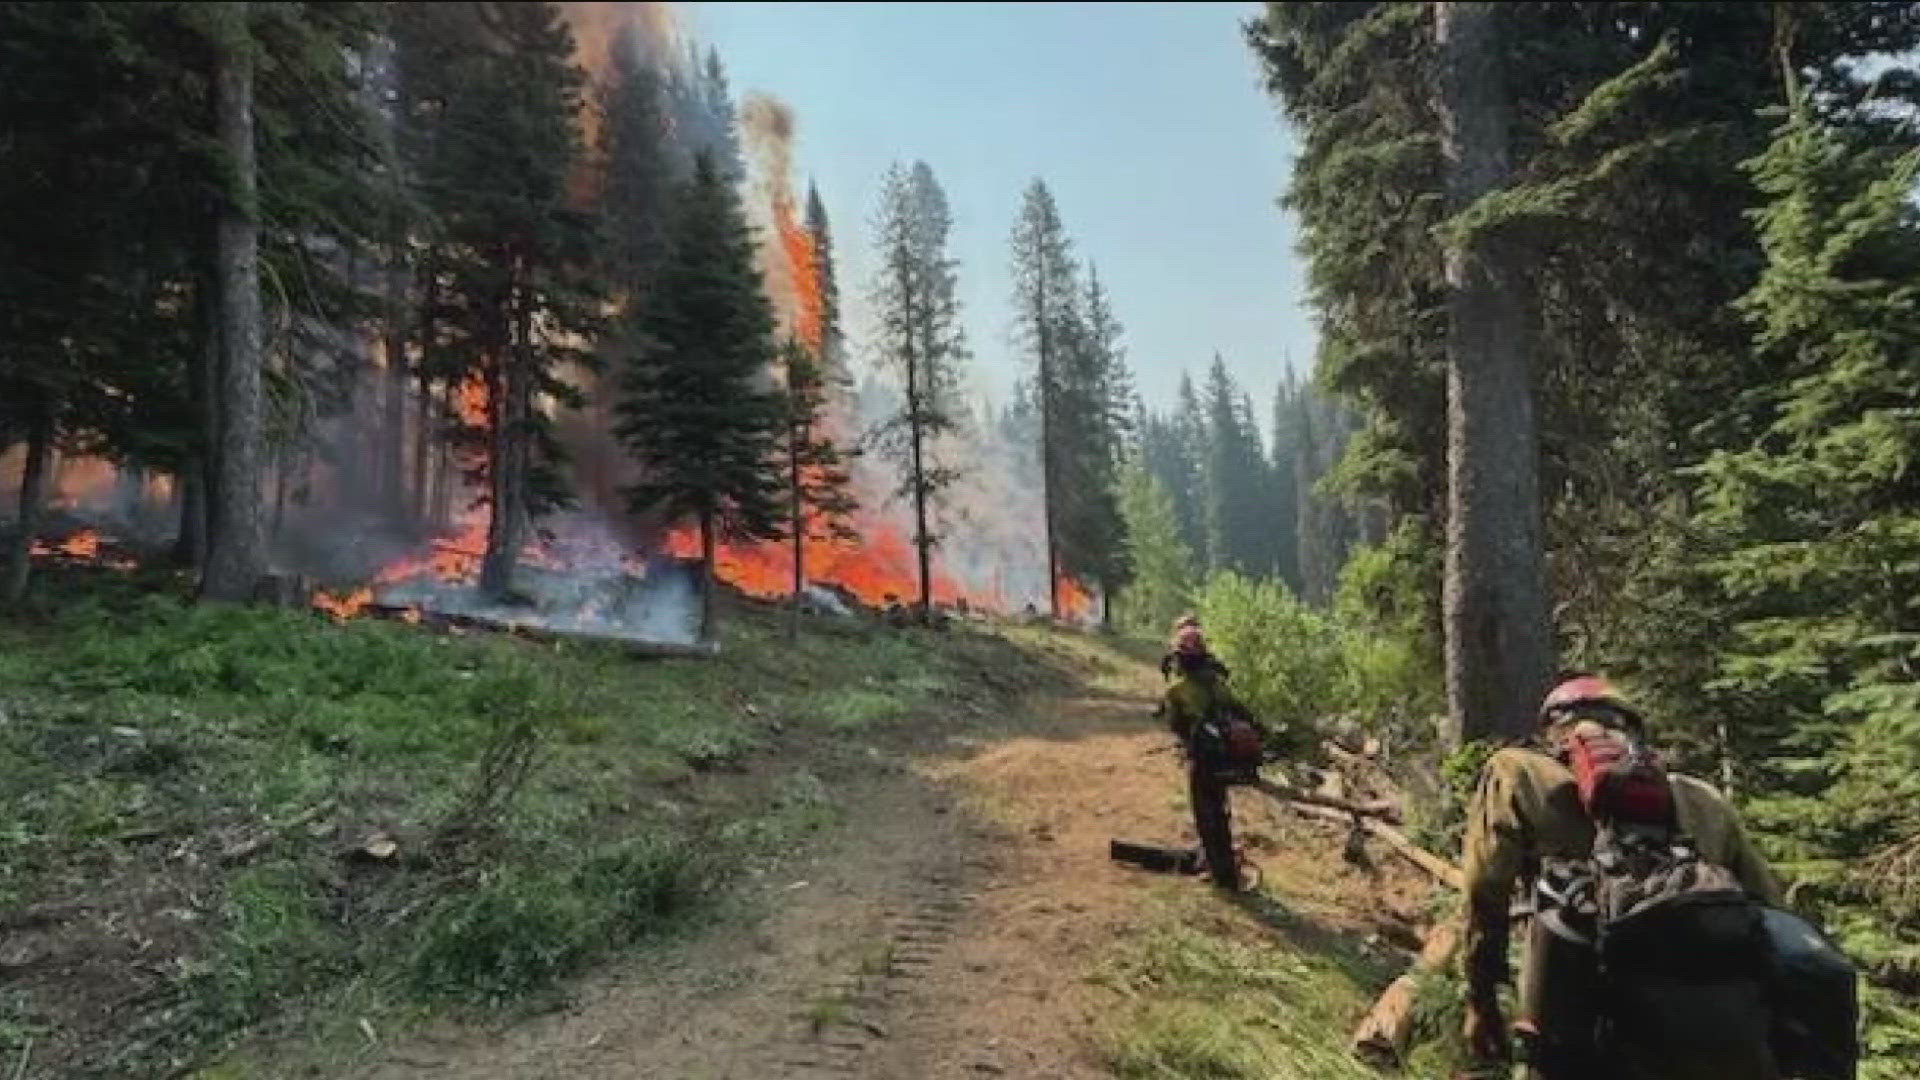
x,y
86,547
83,545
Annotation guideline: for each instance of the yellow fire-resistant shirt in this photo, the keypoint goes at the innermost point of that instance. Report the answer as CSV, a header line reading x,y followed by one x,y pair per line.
x,y
1192,698
1527,807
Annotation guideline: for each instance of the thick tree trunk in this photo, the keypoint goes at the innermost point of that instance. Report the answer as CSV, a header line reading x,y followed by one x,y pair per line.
x,y
1499,652
237,548
33,490
709,579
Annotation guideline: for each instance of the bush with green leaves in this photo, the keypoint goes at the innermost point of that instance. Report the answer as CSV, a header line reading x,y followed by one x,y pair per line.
x,y
1295,666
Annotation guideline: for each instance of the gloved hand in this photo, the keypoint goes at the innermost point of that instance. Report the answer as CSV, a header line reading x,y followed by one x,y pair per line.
x,y
1486,1032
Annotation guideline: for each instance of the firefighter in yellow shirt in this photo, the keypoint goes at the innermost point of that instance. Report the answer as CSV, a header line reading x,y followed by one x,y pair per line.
x,y
1526,808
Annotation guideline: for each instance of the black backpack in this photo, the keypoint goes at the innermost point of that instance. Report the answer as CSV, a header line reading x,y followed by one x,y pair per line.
x,y
1697,978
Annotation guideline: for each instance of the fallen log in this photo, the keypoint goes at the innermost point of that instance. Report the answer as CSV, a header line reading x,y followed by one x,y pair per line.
x,y
1382,1036
1383,1032
1438,868
1378,808
446,620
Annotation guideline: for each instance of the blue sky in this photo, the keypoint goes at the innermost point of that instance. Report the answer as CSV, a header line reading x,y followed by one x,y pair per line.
x,y
1146,119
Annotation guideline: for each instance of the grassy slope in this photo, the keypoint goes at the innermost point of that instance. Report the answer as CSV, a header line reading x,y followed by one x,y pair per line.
x,y
144,742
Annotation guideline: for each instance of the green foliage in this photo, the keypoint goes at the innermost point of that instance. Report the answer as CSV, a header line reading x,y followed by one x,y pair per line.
x,y
510,936
922,343
1208,1007
1297,666
1162,565
275,945
1286,658
1388,603
692,410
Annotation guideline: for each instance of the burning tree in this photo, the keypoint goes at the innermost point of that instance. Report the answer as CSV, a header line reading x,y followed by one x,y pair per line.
x,y
517,255
1073,338
920,336
819,500
695,409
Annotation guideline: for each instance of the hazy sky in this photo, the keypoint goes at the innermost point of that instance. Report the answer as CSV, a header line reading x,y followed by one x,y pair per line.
x,y
1147,121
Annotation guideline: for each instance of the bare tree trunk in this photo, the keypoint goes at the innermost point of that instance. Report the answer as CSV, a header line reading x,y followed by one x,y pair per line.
x,y
1499,650
199,478
393,429
709,578
33,489
423,442
190,544
512,407
917,389
237,551
795,434
1045,343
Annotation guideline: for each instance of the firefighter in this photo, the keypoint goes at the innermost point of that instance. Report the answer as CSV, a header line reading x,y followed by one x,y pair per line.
x,y
1527,807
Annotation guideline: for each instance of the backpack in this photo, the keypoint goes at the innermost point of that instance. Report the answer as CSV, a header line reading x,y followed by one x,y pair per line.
x,y
1678,945
1229,740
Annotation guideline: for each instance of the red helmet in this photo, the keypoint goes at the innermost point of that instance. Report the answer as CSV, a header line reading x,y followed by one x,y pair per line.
x,y
1188,640
1587,690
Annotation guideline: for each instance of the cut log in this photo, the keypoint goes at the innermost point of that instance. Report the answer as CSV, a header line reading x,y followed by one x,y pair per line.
x,y
1382,1035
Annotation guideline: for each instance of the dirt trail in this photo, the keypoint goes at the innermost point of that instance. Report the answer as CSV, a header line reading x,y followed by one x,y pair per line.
x,y
946,931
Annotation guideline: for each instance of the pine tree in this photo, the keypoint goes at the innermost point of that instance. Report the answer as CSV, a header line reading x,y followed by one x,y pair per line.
x,y
820,499
1285,460
636,183
920,339
1102,441
1233,479
1191,443
236,543
1162,583
516,257
1070,375
693,411
833,345
1814,532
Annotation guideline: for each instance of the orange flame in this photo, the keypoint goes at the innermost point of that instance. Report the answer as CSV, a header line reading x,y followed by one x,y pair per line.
x,y
796,243
1073,601
84,544
344,606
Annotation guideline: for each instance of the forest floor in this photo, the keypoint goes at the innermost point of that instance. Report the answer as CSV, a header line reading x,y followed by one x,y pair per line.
x,y
961,919
242,843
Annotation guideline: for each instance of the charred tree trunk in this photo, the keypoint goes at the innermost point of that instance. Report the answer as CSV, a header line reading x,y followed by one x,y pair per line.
x,y
709,578
1498,637
237,549
796,434
190,543
33,490
917,389
393,429
512,407
422,504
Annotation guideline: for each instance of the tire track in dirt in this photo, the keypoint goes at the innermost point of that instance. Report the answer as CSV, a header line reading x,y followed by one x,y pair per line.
x,y
919,932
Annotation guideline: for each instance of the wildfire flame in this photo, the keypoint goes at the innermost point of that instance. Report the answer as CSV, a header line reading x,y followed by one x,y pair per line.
x,y
84,544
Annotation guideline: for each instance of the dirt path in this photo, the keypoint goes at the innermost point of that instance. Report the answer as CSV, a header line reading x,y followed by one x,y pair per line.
x,y
947,931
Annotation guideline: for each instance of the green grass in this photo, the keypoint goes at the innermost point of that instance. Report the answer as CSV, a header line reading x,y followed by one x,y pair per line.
x,y
133,724
1213,998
